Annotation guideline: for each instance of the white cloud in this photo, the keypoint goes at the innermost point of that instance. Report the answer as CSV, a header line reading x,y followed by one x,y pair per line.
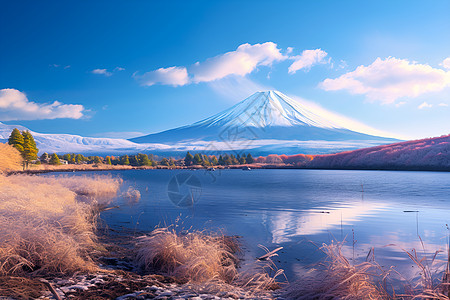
x,y
443,104
388,79
59,66
307,59
101,72
446,63
244,60
425,105
106,72
14,105
175,76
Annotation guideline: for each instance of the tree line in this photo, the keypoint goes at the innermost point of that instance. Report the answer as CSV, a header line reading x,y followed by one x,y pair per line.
x,y
212,160
25,144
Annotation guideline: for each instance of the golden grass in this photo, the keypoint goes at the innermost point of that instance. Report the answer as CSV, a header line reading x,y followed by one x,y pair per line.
x,y
44,227
191,256
10,158
338,279
207,262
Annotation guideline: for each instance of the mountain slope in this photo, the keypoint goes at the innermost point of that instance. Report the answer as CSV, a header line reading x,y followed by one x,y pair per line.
x,y
426,154
64,143
267,115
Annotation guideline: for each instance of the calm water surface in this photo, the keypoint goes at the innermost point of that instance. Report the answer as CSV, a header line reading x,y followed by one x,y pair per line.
x,y
299,210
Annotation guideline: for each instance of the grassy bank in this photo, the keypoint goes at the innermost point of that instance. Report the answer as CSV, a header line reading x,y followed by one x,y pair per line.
x,y
49,229
10,159
47,224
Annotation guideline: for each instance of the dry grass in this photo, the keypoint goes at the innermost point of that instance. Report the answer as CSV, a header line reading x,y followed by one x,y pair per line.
x,y
191,256
10,158
132,195
338,279
206,262
44,228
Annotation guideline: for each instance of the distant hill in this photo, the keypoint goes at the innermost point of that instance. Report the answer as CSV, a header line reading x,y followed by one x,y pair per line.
x,y
10,158
426,154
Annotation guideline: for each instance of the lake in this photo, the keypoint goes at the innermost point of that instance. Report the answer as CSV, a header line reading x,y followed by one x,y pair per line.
x,y
298,210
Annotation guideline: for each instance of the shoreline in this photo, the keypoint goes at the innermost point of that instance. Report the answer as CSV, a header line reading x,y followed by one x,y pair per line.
x,y
231,167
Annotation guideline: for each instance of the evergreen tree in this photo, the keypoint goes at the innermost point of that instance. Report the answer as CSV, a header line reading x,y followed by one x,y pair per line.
x,y
97,160
227,160
16,140
234,161
108,160
54,160
221,161
206,161
164,162
188,159
143,160
242,160
124,160
197,159
172,162
249,159
30,150
67,157
45,157
79,159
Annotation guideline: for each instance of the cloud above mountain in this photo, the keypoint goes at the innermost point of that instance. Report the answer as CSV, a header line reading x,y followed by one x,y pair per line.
x,y
14,105
389,79
307,59
240,62
175,76
244,60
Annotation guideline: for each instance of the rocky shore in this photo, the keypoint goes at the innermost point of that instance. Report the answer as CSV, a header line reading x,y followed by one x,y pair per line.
x,y
131,286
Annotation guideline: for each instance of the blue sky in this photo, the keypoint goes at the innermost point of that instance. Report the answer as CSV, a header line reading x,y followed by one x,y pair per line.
x,y
121,68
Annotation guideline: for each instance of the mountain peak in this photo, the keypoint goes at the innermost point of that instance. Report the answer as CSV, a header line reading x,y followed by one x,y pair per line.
x,y
267,108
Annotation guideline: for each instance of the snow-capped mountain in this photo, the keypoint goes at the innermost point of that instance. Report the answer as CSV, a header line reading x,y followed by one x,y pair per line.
x,y
64,143
269,115
264,123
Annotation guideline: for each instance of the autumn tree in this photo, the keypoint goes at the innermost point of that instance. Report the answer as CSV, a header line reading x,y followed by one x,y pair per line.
x,y
164,162
214,161
143,160
54,160
79,158
124,160
16,140
30,150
